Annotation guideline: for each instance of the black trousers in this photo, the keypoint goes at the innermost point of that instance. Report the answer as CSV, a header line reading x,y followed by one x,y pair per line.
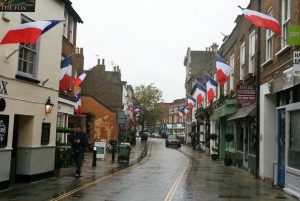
x,y
78,160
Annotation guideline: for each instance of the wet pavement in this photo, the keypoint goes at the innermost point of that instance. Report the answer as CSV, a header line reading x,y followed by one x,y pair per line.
x,y
50,188
209,180
165,174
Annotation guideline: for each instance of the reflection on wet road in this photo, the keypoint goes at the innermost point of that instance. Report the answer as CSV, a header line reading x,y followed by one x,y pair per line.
x,y
155,178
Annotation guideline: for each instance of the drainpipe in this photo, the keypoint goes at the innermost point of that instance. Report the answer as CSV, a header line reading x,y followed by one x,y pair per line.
x,y
258,97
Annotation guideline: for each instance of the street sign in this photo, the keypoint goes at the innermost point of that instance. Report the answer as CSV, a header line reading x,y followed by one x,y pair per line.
x,y
294,35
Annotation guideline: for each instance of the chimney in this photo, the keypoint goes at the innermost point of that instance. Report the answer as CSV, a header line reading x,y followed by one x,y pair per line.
x,y
77,50
103,61
81,51
114,69
98,63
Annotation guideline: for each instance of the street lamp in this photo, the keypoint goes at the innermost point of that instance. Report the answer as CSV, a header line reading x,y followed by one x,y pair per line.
x,y
48,106
172,113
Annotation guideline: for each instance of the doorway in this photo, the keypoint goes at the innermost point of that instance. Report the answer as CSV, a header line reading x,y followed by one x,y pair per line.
x,y
281,115
245,144
13,163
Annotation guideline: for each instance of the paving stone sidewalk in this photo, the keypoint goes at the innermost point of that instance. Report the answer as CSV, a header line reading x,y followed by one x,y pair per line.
x,y
52,187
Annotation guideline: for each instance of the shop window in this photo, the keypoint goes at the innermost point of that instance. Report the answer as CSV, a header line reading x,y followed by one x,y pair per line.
x,y
239,135
296,94
294,143
252,136
230,129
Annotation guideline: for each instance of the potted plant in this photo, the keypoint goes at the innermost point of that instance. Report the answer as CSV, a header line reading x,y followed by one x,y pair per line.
x,y
228,138
214,155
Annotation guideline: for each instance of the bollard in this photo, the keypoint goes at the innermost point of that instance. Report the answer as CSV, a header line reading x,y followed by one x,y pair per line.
x,y
113,153
94,156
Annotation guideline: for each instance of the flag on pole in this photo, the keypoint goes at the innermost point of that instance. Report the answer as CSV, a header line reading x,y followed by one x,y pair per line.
x,y
211,86
65,74
180,113
223,70
199,93
187,113
191,101
78,104
262,20
28,32
79,79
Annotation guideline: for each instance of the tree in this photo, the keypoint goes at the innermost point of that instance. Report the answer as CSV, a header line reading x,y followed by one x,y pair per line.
x,y
148,99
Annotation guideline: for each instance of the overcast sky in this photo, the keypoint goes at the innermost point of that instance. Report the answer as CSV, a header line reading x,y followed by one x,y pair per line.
x,y
148,39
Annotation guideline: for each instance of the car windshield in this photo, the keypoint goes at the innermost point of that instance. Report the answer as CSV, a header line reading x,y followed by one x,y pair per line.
x,y
170,137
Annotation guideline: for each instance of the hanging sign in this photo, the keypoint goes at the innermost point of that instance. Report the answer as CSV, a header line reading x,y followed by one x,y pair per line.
x,y
245,95
17,5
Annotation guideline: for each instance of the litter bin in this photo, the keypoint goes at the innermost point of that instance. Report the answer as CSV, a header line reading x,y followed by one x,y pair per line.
x,y
124,152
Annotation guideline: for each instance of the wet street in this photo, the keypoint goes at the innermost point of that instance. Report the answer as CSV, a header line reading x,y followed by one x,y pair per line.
x,y
172,174
155,178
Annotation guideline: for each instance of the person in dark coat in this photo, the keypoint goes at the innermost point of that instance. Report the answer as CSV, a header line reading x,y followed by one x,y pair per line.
x,y
79,141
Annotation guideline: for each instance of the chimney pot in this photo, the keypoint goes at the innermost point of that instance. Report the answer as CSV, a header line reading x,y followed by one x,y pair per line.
x,y
103,61
98,62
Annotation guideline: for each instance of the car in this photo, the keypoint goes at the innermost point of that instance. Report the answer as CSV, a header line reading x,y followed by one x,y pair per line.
x,y
173,140
156,135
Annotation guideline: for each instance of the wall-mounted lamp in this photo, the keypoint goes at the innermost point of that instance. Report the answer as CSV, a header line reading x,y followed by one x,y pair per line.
x,y
48,106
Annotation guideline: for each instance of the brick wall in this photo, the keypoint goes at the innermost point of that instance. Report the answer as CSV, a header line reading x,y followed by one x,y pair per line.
x,y
105,124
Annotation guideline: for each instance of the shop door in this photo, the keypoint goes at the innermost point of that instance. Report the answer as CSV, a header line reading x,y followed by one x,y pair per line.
x,y
246,146
281,114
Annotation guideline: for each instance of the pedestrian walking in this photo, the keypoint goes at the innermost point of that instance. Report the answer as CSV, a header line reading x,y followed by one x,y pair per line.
x,y
194,143
79,141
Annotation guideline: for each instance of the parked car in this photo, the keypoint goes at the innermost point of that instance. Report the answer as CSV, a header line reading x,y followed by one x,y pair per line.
x,y
173,140
156,135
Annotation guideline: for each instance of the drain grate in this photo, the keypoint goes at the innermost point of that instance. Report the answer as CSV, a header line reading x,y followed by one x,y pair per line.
x,y
236,196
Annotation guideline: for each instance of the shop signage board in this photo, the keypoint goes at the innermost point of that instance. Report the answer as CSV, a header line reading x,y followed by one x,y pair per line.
x,y
296,63
245,95
17,5
294,35
4,120
45,138
100,149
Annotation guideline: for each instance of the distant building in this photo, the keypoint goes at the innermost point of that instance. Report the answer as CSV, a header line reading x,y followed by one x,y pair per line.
x,y
104,89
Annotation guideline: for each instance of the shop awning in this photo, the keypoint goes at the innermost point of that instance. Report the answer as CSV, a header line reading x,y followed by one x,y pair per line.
x,y
244,112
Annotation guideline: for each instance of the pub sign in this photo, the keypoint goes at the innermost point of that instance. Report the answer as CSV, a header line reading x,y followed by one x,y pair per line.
x,y
17,5
4,120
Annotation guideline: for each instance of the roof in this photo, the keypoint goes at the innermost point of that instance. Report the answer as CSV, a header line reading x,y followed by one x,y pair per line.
x,y
71,10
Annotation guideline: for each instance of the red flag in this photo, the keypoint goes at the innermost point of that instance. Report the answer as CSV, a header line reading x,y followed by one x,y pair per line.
x,y
28,32
262,20
79,80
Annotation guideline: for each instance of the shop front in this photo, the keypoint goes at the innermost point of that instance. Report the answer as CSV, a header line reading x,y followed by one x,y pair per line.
x,y
244,129
287,163
220,116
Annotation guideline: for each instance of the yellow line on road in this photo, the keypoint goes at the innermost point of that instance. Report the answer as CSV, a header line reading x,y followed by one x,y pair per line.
x,y
172,191
69,193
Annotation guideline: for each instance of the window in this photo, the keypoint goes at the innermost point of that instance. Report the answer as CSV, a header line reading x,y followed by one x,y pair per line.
x,y
71,30
60,120
286,14
294,141
269,40
231,78
242,61
27,58
66,24
252,136
251,52
230,130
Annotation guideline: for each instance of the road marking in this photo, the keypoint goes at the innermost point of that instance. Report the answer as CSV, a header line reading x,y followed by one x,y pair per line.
x,y
172,191
69,193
